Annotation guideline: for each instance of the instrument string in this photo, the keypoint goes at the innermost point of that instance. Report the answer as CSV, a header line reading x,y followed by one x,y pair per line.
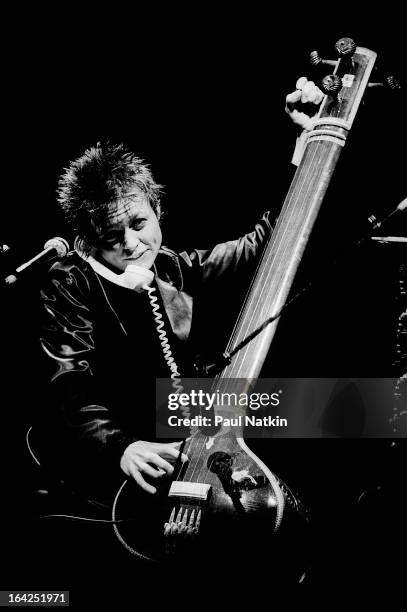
x,y
274,260
273,252
197,455
270,256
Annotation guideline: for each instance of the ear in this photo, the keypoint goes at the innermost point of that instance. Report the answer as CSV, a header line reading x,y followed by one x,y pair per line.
x,y
81,245
158,210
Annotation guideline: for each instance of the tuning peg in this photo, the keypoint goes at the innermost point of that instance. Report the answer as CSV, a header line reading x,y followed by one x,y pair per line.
x,y
390,82
331,84
393,82
316,60
345,47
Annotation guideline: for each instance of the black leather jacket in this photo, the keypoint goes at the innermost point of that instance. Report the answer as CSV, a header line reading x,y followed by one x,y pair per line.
x,y
102,352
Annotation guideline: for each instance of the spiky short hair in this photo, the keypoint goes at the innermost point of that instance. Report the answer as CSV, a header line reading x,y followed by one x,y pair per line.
x,y
94,183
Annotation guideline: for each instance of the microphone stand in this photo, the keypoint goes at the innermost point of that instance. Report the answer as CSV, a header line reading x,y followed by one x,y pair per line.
x,y
53,248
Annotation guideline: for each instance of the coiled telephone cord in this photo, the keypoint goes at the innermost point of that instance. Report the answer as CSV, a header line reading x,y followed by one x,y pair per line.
x,y
165,345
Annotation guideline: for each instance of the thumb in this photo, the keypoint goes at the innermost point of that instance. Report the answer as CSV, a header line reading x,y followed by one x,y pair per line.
x,y
291,99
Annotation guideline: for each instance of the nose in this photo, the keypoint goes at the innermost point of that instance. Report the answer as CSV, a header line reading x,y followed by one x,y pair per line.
x,y
131,239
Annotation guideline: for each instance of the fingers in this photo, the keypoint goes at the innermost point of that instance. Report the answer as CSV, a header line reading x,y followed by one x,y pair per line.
x,y
300,83
134,472
311,93
161,463
151,471
149,458
292,99
170,450
174,454
305,92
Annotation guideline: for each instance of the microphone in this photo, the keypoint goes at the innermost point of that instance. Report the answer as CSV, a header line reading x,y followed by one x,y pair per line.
x,y
399,208
402,205
55,247
4,248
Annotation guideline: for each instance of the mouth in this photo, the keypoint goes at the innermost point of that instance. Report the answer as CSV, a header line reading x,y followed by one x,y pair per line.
x,y
136,257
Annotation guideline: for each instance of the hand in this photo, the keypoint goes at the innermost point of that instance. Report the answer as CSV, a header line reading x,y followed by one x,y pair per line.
x,y
306,97
150,458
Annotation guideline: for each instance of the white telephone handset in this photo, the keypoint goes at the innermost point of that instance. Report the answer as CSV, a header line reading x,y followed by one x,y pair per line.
x,y
138,277
134,277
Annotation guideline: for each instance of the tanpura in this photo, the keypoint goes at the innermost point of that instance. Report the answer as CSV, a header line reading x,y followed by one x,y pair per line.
x,y
225,496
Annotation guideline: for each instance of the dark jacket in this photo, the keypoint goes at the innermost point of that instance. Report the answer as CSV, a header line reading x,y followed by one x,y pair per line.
x,y
102,353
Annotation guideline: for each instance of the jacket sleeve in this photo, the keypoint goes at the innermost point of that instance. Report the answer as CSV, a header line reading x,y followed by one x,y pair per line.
x,y
77,417
231,256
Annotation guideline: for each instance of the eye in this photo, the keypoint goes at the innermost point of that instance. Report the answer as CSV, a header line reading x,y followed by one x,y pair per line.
x,y
111,239
138,224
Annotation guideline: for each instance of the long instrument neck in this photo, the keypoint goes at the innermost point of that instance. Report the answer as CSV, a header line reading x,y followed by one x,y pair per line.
x,y
283,253
282,256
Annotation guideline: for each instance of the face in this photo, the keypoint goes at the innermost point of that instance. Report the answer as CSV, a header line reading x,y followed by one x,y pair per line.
x,y
132,235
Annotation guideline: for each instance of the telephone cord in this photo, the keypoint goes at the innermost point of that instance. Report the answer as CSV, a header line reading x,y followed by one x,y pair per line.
x,y
165,345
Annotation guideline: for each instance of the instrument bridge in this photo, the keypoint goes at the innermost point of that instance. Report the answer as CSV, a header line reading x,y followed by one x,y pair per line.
x,y
184,522
192,490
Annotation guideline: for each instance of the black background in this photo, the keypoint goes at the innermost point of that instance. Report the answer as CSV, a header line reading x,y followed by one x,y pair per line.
x,y
201,98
